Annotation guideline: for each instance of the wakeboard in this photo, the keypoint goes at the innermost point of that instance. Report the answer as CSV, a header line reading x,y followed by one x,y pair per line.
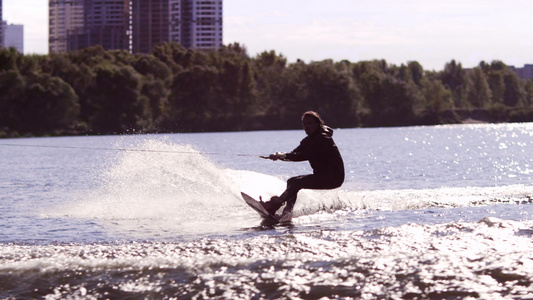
x,y
265,215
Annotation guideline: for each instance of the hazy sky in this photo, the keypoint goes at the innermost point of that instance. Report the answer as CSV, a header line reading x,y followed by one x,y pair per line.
x,y
428,31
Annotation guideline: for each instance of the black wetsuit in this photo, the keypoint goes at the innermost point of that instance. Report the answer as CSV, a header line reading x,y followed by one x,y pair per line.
x,y
325,159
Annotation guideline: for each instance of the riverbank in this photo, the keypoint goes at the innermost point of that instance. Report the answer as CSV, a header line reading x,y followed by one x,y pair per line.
x,y
265,122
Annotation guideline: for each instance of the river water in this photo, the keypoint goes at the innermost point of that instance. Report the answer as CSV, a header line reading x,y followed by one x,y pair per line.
x,y
436,212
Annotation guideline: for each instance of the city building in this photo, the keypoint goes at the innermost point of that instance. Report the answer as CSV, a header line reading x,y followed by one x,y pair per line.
x,y
526,72
77,24
11,36
134,25
152,23
65,19
14,37
192,23
201,24
107,23
2,24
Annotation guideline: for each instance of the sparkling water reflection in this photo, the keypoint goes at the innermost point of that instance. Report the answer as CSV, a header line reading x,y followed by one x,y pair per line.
x,y
426,213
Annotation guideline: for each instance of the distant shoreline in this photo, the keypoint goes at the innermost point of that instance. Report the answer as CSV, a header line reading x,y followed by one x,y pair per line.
x,y
450,117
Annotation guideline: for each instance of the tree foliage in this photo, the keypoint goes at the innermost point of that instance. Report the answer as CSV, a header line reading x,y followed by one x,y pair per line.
x,y
173,89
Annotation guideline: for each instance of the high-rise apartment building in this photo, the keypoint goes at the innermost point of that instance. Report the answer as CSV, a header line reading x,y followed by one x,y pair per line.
x,y
525,72
152,23
66,20
2,24
107,23
134,25
192,23
11,36
77,24
201,24
14,37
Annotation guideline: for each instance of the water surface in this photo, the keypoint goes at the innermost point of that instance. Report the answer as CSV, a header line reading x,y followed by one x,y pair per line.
x,y
425,212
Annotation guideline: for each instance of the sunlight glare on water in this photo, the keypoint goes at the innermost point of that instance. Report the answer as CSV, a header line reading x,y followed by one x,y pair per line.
x,y
436,212
164,195
427,261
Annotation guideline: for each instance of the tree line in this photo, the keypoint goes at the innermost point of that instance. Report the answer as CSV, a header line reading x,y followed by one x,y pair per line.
x,y
173,89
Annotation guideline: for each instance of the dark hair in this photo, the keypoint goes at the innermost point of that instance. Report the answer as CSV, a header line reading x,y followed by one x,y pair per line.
x,y
314,115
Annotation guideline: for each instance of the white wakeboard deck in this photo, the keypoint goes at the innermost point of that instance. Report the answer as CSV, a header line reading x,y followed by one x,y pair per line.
x,y
263,212
258,207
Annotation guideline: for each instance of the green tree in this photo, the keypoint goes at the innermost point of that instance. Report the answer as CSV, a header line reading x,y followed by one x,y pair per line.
x,y
390,100
454,78
367,67
507,88
270,76
174,55
236,88
155,89
417,72
8,59
147,64
155,92
12,89
90,56
515,94
529,92
50,105
478,91
436,97
287,106
332,91
497,86
494,74
30,64
193,98
38,104
114,100
413,72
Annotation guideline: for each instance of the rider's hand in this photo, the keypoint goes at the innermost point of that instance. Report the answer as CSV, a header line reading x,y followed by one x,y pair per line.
x,y
277,155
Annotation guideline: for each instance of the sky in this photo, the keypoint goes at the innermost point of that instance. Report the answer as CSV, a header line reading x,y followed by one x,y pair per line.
x,y
399,31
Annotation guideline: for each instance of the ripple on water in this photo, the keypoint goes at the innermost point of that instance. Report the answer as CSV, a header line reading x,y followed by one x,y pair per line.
x,y
487,259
